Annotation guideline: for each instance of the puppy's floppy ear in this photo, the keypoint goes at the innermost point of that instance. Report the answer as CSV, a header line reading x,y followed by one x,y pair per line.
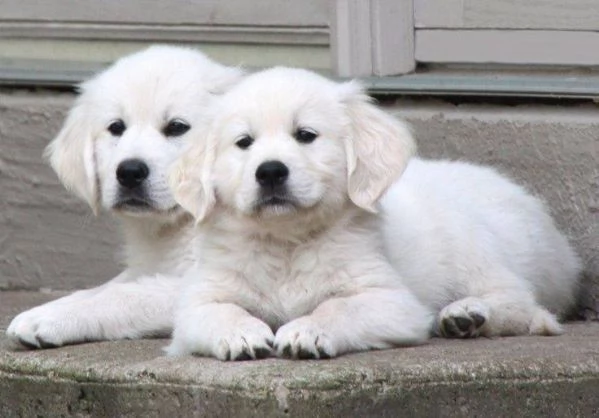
x,y
71,155
378,147
190,179
220,81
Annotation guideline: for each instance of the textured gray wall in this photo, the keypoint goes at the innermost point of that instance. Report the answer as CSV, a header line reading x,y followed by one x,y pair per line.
x,y
49,239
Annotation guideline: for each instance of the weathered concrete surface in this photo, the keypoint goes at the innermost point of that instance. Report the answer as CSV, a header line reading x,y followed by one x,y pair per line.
x,y
49,239
519,376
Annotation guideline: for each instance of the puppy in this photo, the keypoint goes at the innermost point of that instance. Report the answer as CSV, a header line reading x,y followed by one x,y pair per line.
x,y
284,189
127,126
290,251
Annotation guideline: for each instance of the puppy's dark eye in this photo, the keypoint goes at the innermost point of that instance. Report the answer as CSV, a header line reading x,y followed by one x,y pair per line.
x,y
244,142
305,135
175,127
117,127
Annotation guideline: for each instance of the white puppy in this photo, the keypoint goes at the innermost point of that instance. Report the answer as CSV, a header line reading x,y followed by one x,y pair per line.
x,y
291,257
127,126
291,254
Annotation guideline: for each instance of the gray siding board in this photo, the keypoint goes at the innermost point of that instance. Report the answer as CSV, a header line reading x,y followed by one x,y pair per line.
x,y
438,13
508,14
212,12
507,47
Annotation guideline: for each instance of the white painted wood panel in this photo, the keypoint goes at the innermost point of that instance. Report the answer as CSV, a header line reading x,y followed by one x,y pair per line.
x,y
507,47
508,14
214,12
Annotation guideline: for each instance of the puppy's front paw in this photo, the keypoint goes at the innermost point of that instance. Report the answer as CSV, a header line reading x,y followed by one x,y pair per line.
x,y
246,339
463,318
250,340
44,327
303,339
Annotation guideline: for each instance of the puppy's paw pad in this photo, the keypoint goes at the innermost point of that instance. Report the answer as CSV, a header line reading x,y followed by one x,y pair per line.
x,y
249,341
302,340
24,343
463,319
460,326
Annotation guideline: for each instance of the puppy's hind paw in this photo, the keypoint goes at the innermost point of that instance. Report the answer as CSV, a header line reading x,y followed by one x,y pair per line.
x,y
463,319
544,323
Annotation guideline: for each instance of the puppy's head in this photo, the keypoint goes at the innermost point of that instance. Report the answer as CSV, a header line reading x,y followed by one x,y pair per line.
x,y
285,141
130,122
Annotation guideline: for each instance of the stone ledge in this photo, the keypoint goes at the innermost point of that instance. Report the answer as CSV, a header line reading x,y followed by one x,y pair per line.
x,y
521,376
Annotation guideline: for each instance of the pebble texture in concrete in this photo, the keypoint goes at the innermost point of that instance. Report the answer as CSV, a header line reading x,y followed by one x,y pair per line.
x,y
518,376
49,239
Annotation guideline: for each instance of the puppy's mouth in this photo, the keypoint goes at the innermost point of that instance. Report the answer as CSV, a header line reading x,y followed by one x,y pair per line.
x,y
275,202
135,203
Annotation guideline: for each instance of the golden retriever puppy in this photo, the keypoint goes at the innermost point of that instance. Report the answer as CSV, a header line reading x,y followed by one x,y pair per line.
x,y
291,259
125,129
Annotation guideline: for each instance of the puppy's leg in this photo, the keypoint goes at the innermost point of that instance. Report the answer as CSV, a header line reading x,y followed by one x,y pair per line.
x,y
117,310
374,319
495,314
499,304
222,330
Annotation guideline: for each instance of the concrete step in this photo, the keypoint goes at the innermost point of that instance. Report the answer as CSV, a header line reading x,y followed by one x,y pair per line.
x,y
517,376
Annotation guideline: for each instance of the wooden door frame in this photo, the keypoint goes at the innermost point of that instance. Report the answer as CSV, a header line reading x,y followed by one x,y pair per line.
x,y
372,37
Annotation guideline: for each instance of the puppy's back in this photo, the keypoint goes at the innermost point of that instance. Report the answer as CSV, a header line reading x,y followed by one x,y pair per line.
x,y
455,216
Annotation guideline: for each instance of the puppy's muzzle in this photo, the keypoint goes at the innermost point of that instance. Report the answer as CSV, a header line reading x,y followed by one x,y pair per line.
x,y
132,173
272,176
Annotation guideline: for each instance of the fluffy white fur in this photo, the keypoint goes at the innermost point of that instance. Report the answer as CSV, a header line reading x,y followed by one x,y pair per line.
x,y
147,91
306,277
479,250
297,268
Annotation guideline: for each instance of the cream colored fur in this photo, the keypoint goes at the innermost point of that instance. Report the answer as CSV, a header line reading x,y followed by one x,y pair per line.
x,y
308,278
311,277
146,90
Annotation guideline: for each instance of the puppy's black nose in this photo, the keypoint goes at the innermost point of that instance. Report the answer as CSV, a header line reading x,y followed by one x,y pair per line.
x,y
272,174
131,173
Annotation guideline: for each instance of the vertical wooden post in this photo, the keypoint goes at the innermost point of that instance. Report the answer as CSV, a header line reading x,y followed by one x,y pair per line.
x,y
372,37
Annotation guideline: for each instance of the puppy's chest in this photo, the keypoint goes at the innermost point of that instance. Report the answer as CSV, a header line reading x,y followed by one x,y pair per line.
x,y
287,280
285,268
